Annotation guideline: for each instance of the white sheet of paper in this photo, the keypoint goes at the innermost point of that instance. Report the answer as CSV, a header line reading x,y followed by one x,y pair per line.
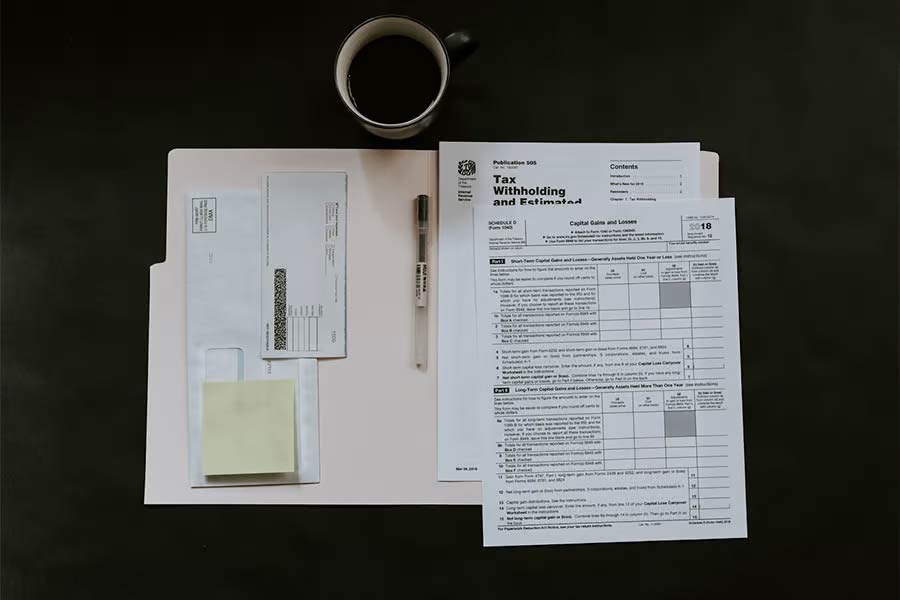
x,y
223,307
477,174
304,277
610,382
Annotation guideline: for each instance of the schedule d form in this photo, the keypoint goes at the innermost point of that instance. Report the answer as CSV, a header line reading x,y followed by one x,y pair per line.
x,y
610,388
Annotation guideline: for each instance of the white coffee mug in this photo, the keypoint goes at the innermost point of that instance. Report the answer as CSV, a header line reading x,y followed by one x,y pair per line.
x,y
447,52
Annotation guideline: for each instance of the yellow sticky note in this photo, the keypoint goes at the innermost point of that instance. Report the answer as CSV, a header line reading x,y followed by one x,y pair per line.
x,y
248,427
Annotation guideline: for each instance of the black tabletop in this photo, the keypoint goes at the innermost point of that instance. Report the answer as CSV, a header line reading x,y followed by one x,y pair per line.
x,y
799,99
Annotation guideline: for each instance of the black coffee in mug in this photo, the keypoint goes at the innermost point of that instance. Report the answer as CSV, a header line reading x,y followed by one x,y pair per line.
x,y
393,79
391,72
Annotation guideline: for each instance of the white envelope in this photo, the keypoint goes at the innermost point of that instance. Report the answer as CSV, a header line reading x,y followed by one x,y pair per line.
x,y
223,307
304,241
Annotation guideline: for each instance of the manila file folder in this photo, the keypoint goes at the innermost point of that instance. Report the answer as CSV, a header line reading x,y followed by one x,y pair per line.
x,y
377,411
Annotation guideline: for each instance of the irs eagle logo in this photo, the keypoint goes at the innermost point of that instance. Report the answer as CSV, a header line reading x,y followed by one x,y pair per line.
x,y
466,168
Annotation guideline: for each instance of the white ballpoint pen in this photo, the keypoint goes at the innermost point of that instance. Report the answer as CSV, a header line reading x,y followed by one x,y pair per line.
x,y
422,283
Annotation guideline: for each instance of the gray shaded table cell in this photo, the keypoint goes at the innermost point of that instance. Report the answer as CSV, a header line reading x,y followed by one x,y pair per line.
x,y
680,423
675,295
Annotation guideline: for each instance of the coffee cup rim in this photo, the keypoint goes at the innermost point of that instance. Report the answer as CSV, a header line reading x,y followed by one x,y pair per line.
x,y
429,109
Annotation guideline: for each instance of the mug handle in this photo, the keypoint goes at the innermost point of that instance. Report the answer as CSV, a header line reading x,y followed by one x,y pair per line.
x,y
460,46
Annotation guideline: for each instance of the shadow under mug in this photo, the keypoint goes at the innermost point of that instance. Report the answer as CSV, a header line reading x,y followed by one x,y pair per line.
x,y
448,52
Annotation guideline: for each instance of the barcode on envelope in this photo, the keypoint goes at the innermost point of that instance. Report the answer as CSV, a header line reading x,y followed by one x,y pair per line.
x,y
280,309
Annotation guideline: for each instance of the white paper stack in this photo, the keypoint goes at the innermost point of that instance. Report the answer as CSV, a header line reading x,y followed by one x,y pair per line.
x,y
589,347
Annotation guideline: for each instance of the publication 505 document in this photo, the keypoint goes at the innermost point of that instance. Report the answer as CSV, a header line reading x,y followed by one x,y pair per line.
x,y
481,174
610,385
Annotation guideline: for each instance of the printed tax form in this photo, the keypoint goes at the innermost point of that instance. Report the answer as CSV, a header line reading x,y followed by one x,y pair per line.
x,y
610,384
477,174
